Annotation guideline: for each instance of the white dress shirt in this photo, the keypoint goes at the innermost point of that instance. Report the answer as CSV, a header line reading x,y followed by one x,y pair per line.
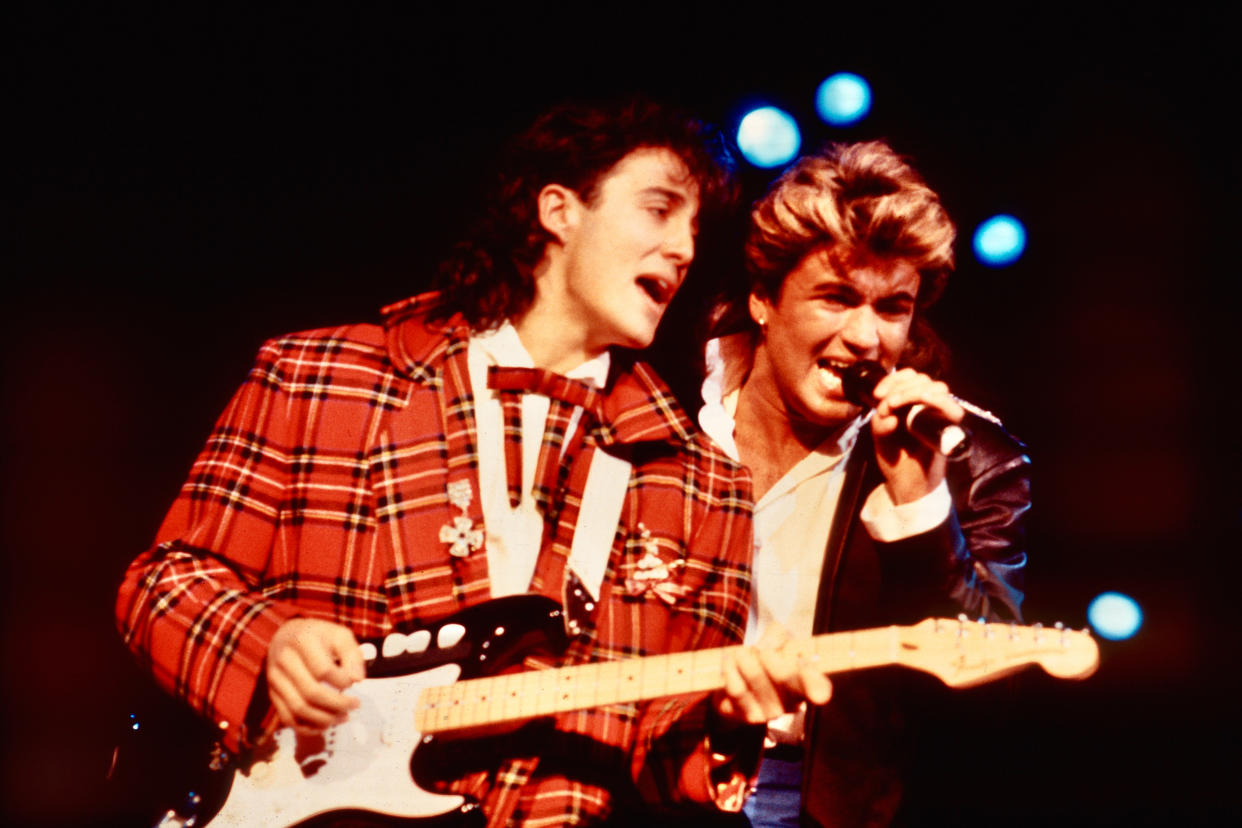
x,y
514,535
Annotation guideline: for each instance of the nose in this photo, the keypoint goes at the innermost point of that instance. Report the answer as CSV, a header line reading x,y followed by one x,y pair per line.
x,y
679,243
861,332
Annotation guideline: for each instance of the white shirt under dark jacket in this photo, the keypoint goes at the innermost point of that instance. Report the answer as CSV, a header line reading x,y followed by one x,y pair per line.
x,y
793,518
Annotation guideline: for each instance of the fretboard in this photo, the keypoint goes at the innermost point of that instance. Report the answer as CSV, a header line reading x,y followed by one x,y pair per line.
x,y
533,693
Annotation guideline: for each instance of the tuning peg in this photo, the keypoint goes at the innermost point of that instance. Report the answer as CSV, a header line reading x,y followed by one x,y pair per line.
x,y
1038,628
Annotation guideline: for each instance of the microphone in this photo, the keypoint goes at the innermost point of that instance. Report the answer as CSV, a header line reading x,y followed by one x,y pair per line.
x,y
922,423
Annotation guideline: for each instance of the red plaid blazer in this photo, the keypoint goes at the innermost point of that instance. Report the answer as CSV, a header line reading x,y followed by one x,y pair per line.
x,y
322,492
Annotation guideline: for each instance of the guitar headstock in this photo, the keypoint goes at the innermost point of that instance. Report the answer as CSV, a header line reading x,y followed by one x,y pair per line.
x,y
962,653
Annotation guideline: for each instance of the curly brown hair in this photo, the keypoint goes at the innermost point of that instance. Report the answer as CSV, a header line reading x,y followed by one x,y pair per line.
x,y
489,277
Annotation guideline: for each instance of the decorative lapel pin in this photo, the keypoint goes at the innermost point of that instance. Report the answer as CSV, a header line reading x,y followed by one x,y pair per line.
x,y
460,535
653,574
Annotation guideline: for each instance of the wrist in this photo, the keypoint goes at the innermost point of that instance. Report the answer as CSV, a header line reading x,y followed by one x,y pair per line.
x,y
888,521
906,491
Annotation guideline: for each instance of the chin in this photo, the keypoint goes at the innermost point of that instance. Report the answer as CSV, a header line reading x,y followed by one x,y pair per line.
x,y
637,340
831,414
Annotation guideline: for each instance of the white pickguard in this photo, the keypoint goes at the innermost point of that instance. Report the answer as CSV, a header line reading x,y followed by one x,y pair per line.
x,y
366,764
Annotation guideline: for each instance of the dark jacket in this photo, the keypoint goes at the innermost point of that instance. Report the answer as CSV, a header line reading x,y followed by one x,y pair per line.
x,y
972,563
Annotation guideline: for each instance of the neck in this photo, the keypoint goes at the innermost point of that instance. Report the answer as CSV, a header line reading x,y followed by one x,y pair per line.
x,y
552,342
556,339
770,438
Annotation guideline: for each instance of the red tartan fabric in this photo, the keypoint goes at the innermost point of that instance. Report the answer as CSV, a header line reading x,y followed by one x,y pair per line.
x,y
511,411
565,396
323,492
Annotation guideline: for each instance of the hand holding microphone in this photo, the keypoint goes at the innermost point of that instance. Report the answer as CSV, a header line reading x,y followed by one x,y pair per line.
x,y
927,425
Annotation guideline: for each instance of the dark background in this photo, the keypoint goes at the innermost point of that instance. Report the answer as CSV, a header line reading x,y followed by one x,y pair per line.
x,y
185,184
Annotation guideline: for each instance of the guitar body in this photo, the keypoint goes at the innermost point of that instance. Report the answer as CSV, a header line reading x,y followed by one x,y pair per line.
x,y
361,769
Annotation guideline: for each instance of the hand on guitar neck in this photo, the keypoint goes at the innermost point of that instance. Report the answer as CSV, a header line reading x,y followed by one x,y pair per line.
x,y
767,680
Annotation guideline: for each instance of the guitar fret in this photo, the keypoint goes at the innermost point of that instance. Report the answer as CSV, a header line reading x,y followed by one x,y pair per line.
x,y
650,678
588,687
520,694
456,701
568,690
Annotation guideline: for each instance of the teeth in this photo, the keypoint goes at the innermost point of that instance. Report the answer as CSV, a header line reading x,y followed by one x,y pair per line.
x,y
830,371
830,378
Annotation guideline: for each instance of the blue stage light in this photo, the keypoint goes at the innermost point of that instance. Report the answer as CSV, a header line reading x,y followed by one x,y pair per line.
x,y
768,137
843,99
1114,616
999,241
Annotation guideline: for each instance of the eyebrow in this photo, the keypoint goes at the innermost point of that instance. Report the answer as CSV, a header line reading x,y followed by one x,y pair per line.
x,y
899,296
672,195
837,284
837,268
833,281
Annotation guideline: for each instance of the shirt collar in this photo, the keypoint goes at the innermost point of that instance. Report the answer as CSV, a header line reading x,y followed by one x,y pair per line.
x,y
638,406
504,347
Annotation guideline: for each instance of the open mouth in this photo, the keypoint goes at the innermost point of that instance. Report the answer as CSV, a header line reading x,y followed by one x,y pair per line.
x,y
830,371
659,291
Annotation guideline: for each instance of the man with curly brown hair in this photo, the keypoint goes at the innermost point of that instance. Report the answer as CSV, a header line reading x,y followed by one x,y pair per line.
x,y
492,438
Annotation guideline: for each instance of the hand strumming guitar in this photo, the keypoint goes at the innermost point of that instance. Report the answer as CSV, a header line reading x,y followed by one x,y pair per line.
x,y
309,661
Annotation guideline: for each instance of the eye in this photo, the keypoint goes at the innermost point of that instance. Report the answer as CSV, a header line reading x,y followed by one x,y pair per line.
x,y
838,299
895,308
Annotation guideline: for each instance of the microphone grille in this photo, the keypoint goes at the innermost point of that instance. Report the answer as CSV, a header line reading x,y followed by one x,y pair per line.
x,y
859,380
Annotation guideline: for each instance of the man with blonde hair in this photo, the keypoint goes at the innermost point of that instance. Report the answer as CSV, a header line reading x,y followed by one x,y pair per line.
x,y
857,524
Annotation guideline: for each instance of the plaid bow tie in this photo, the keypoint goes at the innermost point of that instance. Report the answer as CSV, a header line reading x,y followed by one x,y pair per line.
x,y
566,395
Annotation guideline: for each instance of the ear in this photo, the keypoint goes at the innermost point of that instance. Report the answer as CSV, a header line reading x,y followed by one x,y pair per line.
x,y
760,308
559,210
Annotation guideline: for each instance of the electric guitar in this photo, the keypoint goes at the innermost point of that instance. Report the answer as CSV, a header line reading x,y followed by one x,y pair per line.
x,y
434,682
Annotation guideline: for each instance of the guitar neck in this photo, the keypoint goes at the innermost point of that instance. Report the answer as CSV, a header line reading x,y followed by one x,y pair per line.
x,y
526,695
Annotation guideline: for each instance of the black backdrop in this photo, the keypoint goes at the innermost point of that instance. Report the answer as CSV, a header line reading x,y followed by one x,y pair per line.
x,y
186,183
